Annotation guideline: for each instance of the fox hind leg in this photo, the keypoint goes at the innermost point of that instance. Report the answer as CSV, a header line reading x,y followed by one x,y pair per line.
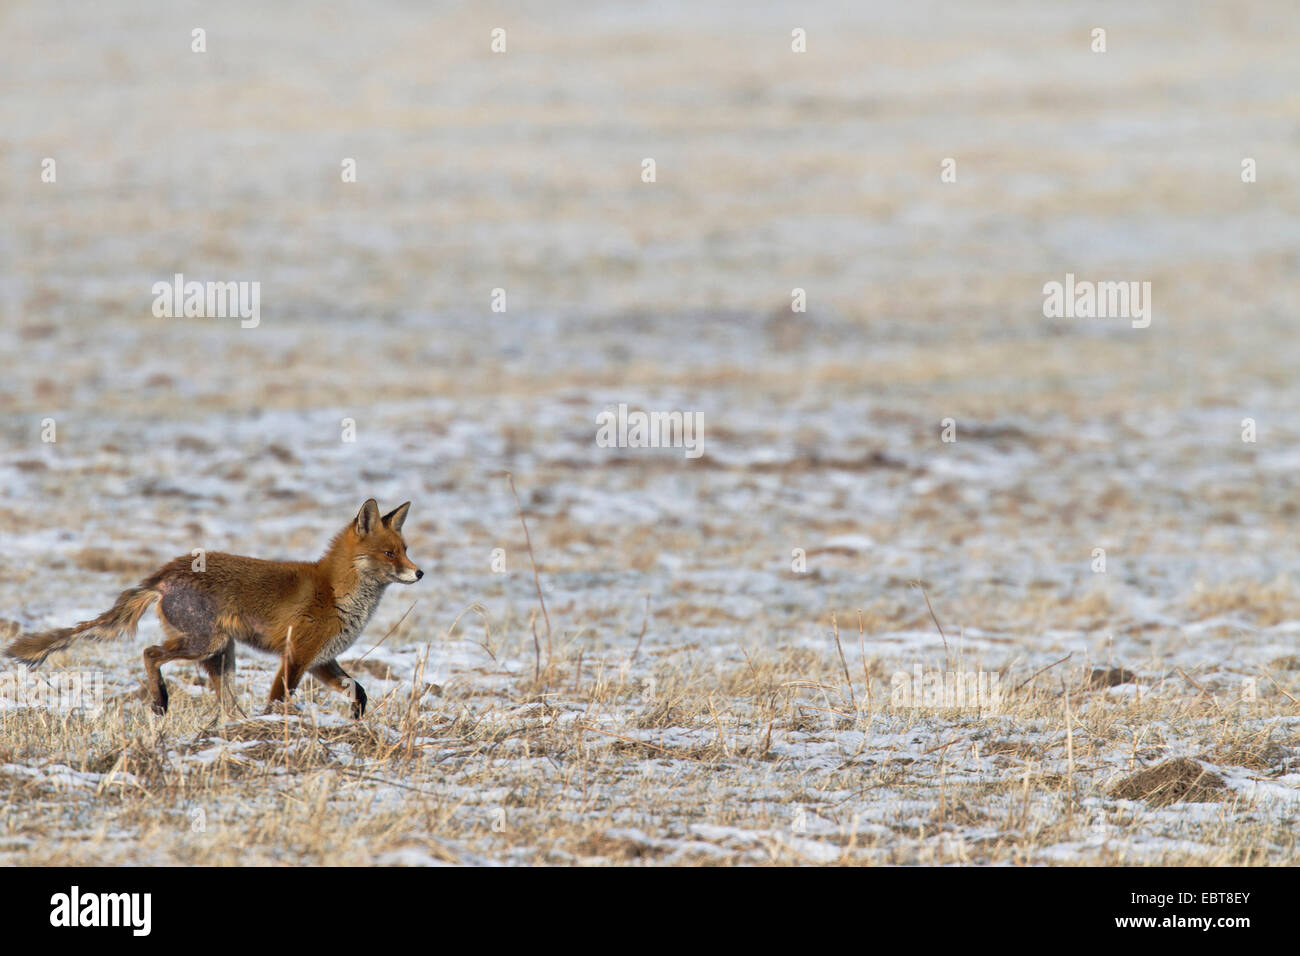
x,y
188,621
220,668
154,658
175,648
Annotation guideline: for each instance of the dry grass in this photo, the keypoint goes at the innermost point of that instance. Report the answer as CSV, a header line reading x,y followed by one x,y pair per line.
x,y
1262,603
723,725
1175,781
674,761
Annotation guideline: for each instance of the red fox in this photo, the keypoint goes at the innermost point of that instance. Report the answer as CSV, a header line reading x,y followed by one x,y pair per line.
x,y
306,613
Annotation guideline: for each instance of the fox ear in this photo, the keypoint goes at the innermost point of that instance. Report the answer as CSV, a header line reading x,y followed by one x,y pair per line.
x,y
395,518
368,517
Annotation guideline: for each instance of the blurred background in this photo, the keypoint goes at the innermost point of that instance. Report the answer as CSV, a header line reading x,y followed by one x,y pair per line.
x,y
775,170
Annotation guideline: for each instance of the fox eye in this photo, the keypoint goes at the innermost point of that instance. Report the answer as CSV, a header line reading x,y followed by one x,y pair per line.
x,y
389,554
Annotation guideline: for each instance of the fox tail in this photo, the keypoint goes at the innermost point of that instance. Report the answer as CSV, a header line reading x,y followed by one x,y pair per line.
x,y
122,618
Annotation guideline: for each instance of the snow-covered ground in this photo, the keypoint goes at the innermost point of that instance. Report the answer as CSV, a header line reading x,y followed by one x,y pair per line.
x,y
719,725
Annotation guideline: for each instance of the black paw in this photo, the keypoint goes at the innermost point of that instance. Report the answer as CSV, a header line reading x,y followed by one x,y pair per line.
x,y
359,700
160,702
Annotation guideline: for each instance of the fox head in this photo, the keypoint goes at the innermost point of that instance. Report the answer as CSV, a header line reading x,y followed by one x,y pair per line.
x,y
380,549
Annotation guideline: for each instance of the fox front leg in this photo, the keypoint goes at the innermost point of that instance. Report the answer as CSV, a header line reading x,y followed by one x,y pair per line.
x,y
282,687
332,675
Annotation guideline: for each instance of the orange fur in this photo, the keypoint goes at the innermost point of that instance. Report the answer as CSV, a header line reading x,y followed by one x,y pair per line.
x,y
304,612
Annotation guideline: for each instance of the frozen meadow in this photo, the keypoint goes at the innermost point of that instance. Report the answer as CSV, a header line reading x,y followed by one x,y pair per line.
x,y
1101,516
